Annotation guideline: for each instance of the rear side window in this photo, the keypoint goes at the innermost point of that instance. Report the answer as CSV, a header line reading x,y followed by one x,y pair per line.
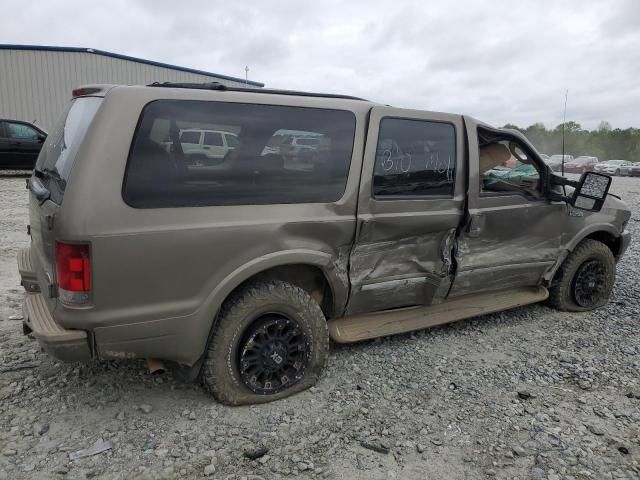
x,y
22,132
213,138
232,141
190,137
414,158
59,150
254,168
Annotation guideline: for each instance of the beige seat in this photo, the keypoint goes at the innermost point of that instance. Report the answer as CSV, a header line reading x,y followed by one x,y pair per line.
x,y
493,155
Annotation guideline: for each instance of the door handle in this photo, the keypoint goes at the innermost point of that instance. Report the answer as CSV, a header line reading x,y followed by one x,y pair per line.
x,y
476,223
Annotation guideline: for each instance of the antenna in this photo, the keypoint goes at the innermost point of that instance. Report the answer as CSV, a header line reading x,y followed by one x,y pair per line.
x,y
564,120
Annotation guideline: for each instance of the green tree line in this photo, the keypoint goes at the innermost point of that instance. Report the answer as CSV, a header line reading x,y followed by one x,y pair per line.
x,y
605,142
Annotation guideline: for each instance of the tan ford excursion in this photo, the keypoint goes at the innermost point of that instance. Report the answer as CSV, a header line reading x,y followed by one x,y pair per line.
x,y
327,217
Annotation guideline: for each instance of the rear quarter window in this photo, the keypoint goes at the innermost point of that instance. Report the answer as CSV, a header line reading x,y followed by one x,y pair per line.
x,y
254,169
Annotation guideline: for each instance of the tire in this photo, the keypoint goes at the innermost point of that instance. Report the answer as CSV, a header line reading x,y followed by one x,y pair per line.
x,y
282,313
617,172
590,262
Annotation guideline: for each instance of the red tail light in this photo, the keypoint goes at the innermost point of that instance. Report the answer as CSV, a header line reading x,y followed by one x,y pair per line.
x,y
73,267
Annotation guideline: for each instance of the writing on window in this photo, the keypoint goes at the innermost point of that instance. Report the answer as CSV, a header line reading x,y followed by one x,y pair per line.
x,y
415,158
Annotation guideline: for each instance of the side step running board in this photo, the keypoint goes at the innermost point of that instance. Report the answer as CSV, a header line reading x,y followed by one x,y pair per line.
x,y
402,320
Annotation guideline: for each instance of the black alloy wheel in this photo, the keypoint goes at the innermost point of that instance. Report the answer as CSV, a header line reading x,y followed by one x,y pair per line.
x,y
273,354
589,284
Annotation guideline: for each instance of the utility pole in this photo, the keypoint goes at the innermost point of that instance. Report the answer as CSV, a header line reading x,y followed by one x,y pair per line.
x,y
246,75
564,120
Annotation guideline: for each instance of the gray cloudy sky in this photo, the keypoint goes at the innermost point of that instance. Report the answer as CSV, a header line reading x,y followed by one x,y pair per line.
x,y
501,61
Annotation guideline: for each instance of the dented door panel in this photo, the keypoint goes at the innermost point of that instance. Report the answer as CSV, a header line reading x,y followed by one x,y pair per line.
x,y
402,254
509,240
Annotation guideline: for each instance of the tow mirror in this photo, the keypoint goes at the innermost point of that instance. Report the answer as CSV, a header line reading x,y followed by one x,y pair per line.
x,y
591,191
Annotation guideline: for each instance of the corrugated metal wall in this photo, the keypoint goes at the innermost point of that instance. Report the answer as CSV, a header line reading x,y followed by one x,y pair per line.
x,y
36,85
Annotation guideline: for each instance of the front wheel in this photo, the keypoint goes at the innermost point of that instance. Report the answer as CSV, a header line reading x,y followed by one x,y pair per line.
x,y
271,341
585,279
617,172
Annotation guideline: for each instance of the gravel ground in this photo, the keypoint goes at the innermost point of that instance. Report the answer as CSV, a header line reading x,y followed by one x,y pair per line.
x,y
529,393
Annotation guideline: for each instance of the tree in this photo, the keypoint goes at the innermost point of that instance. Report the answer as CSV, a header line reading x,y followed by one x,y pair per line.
x,y
605,142
604,126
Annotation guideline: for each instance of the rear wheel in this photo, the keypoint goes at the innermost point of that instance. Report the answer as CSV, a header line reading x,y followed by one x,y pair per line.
x,y
585,279
271,341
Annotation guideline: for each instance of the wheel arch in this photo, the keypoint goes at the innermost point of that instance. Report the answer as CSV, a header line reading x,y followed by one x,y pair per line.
x,y
310,270
604,233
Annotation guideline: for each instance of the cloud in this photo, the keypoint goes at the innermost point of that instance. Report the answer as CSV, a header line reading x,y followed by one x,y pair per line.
x,y
502,62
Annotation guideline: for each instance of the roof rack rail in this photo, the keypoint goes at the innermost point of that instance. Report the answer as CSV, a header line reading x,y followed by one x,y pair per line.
x,y
220,87
200,86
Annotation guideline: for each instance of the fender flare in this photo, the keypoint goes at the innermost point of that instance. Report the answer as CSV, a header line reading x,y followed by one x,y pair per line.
x,y
335,273
588,230
566,249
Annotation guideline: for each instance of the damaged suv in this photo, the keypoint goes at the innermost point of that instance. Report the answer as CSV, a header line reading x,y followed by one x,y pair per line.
x,y
240,272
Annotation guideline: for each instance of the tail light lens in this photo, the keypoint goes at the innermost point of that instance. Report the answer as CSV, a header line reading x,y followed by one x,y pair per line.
x,y
73,271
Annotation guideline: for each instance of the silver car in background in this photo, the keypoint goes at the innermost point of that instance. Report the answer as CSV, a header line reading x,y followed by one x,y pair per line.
x,y
632,170
612,167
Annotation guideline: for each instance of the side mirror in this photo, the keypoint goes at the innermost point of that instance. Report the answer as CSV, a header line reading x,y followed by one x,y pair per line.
x,y
41,137
591,191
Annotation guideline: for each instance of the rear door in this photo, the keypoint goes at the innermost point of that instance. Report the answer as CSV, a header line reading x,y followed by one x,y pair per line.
x,y
513,232
410,205
191,142
213,144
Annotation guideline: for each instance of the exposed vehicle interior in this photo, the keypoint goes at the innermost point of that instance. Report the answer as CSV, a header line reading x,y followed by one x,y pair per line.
x,y
505,166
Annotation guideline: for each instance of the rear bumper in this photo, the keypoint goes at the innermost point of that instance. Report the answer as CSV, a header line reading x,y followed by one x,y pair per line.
x,y
28,277
63,344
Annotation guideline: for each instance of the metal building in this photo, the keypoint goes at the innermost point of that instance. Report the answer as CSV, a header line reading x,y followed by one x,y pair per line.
x,y
36,81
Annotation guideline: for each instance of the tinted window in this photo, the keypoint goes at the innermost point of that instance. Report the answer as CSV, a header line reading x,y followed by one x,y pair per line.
x,y
415,157
20,131
190,137
160,175
307,141
232,140
213,139
59,150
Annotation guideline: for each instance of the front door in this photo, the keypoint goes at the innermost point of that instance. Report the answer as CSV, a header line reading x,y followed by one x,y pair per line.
x,y
411,203
512,235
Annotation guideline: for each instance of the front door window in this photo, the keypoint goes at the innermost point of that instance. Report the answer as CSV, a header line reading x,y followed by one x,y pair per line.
x,y
504,166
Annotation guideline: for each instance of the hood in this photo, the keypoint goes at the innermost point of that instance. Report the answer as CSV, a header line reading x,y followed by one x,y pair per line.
x,y
617,210
614,210
613,203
